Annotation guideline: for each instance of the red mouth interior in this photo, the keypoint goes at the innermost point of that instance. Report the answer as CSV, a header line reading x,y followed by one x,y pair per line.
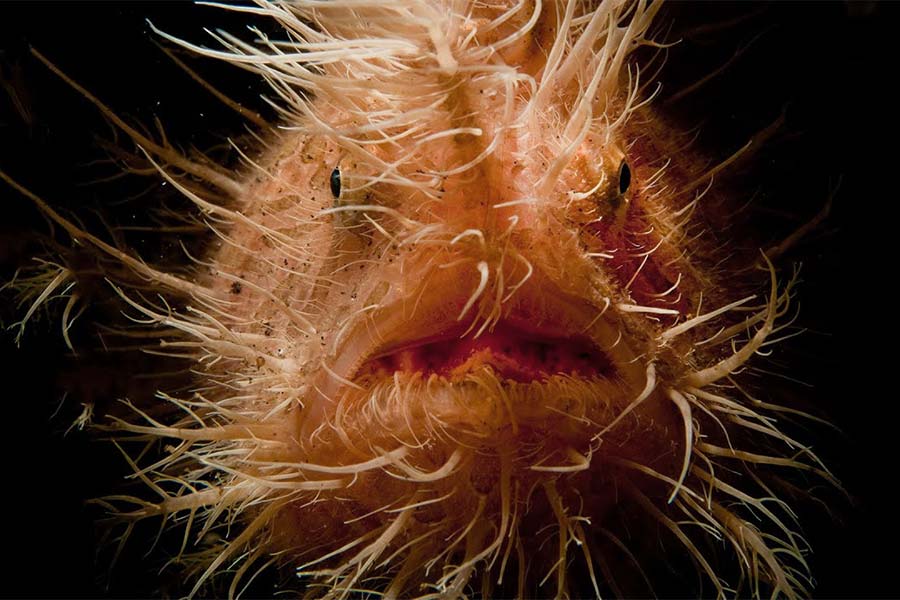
x,y
513,354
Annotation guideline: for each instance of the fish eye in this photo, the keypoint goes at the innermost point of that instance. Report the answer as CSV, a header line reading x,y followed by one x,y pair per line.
x,y
624,177
335,182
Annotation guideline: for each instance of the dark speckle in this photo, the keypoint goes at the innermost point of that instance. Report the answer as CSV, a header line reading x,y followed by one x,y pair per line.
x,y
236,288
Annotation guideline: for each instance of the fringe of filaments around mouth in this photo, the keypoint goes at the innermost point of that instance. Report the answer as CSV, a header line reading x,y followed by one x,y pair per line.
x,y
212,475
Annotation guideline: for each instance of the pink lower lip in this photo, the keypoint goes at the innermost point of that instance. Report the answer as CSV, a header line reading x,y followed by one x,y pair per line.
x,y
512,353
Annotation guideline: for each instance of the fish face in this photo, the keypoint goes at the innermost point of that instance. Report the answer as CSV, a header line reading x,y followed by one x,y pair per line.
x,y
481,275
465,326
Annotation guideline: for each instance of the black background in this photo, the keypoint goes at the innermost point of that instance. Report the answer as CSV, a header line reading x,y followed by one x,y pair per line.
x,y
832,64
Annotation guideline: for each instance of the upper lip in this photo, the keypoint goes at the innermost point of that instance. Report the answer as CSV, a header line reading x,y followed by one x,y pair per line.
x,y
539,308
514,353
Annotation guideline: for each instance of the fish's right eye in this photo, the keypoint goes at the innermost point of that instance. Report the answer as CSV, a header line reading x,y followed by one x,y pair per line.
x,y
335,182
624,177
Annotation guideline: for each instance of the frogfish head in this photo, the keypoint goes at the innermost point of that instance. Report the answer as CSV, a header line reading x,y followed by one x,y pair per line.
x,y
469,326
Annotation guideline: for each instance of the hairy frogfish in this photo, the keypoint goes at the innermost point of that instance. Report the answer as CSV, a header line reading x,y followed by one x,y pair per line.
x,y
462,316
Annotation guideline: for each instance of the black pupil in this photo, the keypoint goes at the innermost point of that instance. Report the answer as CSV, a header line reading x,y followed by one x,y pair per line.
x,y
336,183
624,177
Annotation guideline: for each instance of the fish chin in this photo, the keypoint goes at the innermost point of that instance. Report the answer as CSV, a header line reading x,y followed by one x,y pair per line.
x,y
453,417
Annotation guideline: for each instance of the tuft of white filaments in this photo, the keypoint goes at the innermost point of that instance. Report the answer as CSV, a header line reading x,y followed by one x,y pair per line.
x,y
384,85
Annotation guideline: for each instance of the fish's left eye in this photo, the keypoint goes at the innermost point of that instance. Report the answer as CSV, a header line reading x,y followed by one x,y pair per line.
x,y
335,182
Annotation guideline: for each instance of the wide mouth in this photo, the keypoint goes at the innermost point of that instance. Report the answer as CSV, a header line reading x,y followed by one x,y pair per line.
x,y
512,352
